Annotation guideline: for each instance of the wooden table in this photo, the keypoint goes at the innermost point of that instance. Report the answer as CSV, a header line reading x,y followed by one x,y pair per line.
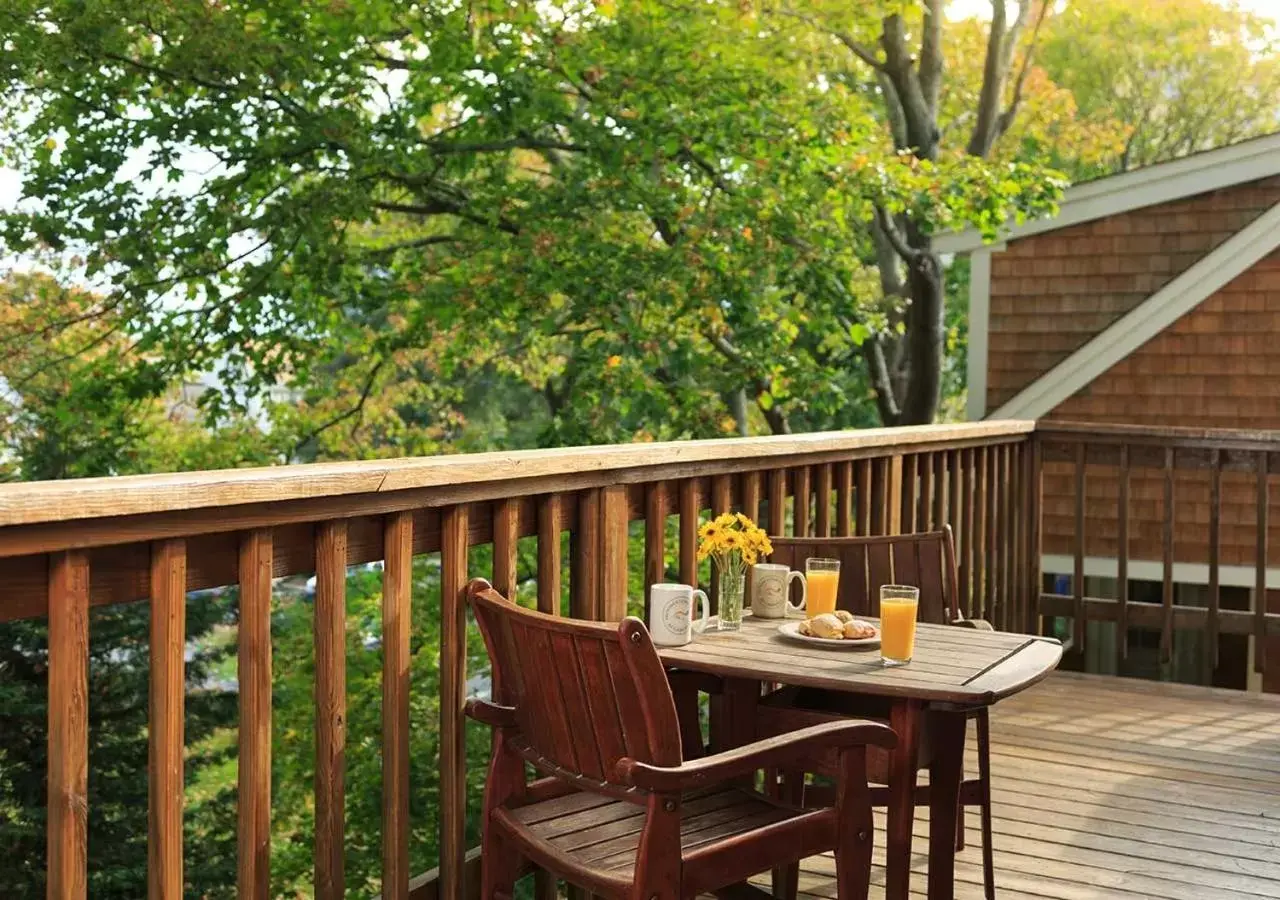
x,y
953,670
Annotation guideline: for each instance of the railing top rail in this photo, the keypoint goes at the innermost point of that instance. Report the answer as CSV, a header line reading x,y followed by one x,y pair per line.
x,y
1226,438
90,498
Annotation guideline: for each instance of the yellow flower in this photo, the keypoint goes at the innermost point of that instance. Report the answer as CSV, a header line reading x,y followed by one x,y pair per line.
x,y
725,520
732,540
744,521
708,531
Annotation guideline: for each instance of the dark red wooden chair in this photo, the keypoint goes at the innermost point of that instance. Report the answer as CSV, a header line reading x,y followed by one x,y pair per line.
x,y
925,560
618,811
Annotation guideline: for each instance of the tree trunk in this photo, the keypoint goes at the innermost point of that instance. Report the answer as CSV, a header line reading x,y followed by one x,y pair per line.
x,y
925,339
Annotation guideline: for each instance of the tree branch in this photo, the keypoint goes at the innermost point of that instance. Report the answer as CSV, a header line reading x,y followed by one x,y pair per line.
x,y
878,371
857,48
1006,117
891,233
922,126
341,417
993,78
931,54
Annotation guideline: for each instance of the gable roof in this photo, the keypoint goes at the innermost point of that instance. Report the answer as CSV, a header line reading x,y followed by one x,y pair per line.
x,y
1149,318
1196,174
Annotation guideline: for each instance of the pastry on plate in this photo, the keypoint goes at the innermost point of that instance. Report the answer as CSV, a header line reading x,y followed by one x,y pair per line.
x,y
858,631
843,615
826,626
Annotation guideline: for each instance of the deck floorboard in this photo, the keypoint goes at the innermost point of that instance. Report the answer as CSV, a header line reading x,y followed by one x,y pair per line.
x,y
1113,789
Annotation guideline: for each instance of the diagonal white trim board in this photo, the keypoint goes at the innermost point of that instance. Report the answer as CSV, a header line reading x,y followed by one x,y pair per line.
x,y
1148,319
1196,174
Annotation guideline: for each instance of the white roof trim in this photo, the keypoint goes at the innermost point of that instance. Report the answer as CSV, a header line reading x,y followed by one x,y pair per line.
x,y
1161,183
1148,319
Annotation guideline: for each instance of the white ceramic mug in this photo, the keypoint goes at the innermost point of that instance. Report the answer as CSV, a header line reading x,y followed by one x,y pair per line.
x,y
671,622
770,585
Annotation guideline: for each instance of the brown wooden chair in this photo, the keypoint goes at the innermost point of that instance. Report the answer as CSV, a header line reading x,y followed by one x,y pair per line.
x,y
925,560
618,811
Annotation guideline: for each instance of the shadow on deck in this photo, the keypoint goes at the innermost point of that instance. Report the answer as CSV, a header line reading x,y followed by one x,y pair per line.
x,y
1116,788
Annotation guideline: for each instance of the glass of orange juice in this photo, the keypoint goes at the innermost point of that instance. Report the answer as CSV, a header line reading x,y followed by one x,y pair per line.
x,y
898,605
822,577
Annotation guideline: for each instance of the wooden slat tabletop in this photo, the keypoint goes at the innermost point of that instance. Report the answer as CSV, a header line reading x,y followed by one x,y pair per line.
x,y
950,664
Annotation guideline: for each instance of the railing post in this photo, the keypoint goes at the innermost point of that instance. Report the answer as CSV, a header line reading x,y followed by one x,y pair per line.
x,y
397,581
254,676
614,538
165,726
68,725
453,686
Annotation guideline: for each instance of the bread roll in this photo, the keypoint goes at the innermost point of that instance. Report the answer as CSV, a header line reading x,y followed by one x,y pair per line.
x,y
826,626
844,615
856,631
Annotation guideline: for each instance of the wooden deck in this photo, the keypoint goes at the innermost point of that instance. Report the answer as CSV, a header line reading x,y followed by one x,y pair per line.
x,y
1115,788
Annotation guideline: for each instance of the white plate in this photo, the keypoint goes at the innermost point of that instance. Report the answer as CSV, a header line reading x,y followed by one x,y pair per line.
x,y
791,631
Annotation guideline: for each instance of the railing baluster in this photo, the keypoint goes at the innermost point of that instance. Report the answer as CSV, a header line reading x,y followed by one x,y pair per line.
x,y
822,504
1215,544
721,501
907,486
751,496
981,548
584,577
689,532
1166,627
939,489
166,718
991,561
1077,581
655,539
68,725
549,561
863,526
614,539
1016,534
844,499
1035,496
255,715
506,528
331,707
549,566
1122,569
453,696
1006,535
800,506
968,534
397,583
1260,576
777,502
924,496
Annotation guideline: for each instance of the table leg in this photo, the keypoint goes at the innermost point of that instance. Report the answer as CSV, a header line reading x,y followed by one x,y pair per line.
x,y
945,774
733,714
904,718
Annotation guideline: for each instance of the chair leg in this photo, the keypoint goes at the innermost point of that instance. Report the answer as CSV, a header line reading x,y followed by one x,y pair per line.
x,y
984,780
960,814
854,828
788,788
499,867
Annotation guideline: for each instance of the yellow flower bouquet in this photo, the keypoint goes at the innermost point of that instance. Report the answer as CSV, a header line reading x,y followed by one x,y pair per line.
x,y
734,543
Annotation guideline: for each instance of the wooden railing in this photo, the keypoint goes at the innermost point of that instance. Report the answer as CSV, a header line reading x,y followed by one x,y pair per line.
x,y
1177,505
67,546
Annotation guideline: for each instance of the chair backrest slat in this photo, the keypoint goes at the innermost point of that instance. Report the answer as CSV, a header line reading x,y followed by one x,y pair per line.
x,y
867,563
586,694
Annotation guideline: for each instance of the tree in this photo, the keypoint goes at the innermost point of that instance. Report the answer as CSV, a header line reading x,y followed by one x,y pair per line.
x,y
654,216
898,51
1181,75
74,402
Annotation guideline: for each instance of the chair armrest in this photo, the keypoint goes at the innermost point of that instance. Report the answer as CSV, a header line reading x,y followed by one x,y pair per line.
x,y
769,753
975,624
492,714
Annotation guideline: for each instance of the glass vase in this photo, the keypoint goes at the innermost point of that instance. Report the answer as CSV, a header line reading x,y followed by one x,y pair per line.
x,y
733,583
